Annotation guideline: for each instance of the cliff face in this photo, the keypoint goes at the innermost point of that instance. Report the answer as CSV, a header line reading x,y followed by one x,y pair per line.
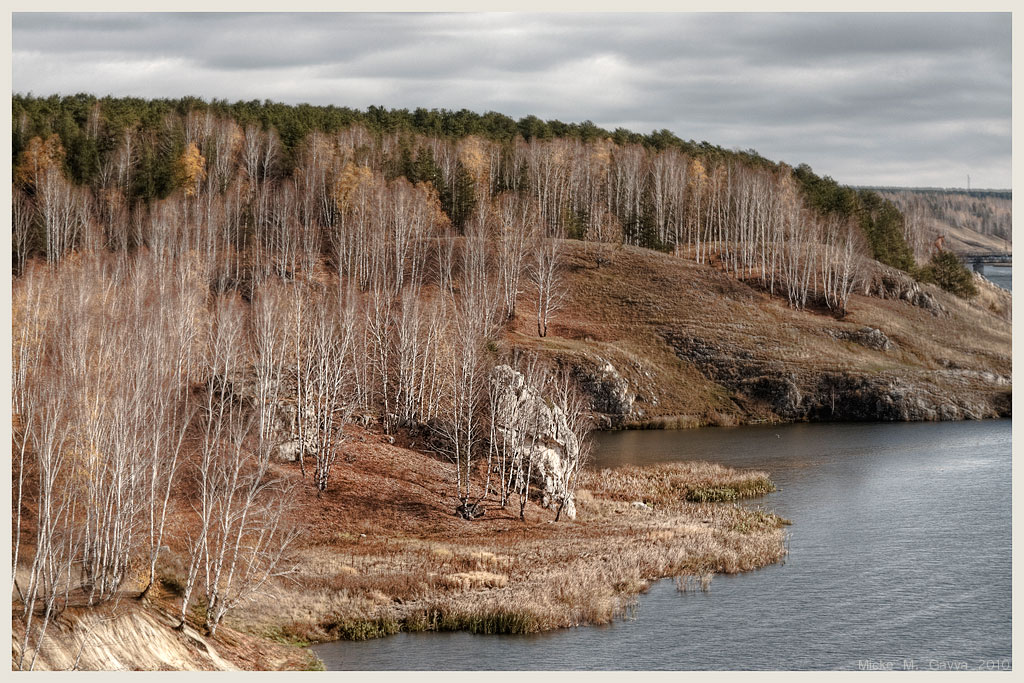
x,y
656,340
537,431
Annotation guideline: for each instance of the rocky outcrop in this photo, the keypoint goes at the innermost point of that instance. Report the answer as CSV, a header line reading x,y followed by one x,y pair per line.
x,y
869,337
889,283
780,391
287,445
541,435
809,394
242,387
885,398
607,391
470,510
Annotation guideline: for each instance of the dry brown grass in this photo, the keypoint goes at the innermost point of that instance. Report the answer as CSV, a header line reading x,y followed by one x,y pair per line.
x,y
993,298
620,310
500,575
383,551
669,483
475,579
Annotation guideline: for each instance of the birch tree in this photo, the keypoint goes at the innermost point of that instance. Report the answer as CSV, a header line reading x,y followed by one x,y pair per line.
x,y
242,538
515,227
323,399
546,276
473,323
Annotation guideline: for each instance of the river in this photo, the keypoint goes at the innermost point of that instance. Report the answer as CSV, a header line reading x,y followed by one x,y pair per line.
x,y
1000,275
899,558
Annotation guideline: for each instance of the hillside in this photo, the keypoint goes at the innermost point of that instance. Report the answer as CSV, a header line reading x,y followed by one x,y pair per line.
x,y
650,339
381,552
977,221
654,340
350,361
695,346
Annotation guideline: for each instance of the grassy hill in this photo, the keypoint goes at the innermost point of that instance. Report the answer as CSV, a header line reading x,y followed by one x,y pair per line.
x,y
203,293
696,346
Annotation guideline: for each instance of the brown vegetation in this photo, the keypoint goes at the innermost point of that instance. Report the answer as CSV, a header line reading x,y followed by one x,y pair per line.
x,y
376,564
141,637
669,483
170,354
382,552
627,306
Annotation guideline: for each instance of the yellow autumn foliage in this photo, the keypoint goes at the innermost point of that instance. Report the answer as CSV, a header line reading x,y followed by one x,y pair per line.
x,y
473,156
698,175
433,200
191,169
352,178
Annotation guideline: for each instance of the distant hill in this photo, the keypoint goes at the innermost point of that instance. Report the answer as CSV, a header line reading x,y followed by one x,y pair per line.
x,y
972,221
721,351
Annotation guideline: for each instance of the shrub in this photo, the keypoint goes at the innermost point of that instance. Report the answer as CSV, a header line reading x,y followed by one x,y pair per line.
x,y
947,271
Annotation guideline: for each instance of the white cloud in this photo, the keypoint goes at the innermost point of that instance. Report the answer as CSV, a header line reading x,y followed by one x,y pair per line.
x,y
910,99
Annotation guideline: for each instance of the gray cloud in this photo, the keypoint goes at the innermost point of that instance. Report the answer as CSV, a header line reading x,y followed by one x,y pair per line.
x,y
901,99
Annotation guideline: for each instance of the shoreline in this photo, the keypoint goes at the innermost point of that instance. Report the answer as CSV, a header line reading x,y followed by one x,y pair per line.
x,y
393,570
383,552
688,422
506,576
401,561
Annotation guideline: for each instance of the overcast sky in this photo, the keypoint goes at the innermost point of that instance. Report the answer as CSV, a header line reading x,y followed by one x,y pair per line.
x,y
870,99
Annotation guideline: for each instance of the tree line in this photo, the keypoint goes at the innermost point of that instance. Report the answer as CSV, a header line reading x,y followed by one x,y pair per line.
x,y
75,117
199,289
129,156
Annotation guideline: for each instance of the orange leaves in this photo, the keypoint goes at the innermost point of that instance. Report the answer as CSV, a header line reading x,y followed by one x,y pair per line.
x,y
39,157
191,169
474,158
357,187
352,178
438,217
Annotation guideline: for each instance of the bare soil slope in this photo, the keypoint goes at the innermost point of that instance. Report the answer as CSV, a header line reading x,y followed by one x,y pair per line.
x,y
134,636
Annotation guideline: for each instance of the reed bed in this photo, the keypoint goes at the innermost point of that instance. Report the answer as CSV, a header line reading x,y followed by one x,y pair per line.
x,y
532,576
669,483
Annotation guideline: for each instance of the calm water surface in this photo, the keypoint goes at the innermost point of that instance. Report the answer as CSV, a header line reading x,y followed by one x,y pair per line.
x,y
1000,275
899,551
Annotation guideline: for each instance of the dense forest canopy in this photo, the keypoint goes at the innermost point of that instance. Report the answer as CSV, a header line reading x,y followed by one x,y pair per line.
x,y
977,194
69,116
91,130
